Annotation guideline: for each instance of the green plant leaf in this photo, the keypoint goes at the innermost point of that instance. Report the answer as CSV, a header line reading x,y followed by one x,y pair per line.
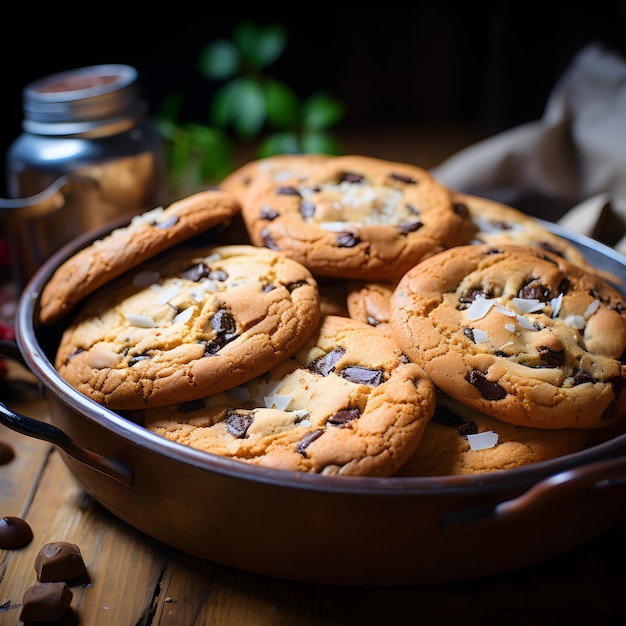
x,y
219,60
321,111
319,143
239,104
279,143
260,45
282,105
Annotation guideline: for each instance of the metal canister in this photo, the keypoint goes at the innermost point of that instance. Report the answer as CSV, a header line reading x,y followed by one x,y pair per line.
x,y
88,155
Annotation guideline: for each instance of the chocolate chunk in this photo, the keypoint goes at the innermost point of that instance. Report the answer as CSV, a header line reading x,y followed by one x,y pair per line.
x,y
307,209
535,290
489,389
445,417
460,208
410,227
137,359
548,247
268,240
402,178
288,191
469,333
196,272
581,377
351,177
45,602
296,284
307,440
471,294
238,423
59,561
191,405
341,418
347,240
6,452
362,375
224,325
267,213
550,358
324,365
14,533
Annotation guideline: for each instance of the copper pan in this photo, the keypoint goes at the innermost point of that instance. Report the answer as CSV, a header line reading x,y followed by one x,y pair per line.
x,y
318,529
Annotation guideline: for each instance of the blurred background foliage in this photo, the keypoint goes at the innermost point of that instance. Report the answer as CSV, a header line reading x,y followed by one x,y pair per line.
x,y
249,105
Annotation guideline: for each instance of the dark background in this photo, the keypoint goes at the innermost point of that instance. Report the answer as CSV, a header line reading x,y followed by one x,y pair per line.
x,y
486,64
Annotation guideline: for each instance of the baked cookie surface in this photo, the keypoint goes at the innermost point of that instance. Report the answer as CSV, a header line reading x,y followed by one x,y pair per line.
x,y
461,440
347,403
281,168
145,236
498,223
195,322
368,301
516,333
356,217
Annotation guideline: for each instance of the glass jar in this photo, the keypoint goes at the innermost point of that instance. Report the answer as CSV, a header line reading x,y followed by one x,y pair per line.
x,y
88,155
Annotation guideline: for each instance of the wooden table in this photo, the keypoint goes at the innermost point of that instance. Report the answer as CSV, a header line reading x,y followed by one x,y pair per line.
x,y
137,581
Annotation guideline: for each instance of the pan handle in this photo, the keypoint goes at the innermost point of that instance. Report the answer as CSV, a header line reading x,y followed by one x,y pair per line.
x,y
32,427
597,479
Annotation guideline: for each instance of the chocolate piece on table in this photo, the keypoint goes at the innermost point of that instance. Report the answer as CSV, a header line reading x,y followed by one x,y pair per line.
x,y
14,533
45,602
59,561
6,452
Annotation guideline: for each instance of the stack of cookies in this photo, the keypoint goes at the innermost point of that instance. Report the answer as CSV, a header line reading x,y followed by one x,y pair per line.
x,y
346,316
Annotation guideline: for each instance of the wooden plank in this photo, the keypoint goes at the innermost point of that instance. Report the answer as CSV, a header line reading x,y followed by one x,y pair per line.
x,y
124,565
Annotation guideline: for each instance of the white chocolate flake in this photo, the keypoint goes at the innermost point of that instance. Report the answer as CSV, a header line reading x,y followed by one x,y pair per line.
x,y
480,336
502,309
281,402
591,309
555,303
168,294
185,315
479,308
528,305
524,323
483,441
141,321
575,321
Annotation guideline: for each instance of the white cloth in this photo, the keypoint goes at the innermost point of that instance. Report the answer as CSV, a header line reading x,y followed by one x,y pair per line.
x,y
570,165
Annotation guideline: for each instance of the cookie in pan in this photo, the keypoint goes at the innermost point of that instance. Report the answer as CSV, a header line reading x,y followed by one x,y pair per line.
x,y
368,301
499,223
517,333
347,403
187,325
460,440
280,168
145,236
356,217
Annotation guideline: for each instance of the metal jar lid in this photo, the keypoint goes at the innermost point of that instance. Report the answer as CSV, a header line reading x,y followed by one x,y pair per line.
x,y
90,100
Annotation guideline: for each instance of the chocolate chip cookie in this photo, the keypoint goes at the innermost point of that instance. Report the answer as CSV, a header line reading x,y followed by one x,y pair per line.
x,y
499,223
145,236
461,440
356,217
347,403
517,333
193,323
368,301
